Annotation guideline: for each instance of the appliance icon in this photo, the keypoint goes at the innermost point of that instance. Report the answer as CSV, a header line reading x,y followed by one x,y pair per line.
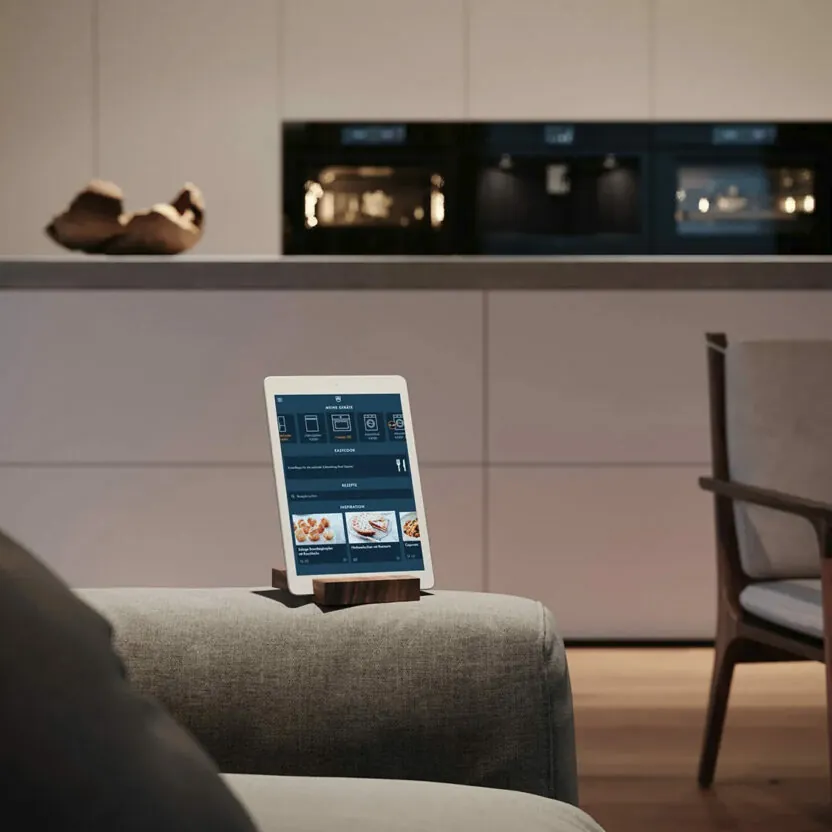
x,y
397,422
281,424
341,423
311,423
371,422
338,399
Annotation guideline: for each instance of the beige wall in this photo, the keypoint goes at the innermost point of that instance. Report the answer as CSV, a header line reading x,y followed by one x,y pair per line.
x,y
153,93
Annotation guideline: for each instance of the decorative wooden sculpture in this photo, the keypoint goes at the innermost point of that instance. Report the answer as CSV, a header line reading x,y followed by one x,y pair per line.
x,y
95,222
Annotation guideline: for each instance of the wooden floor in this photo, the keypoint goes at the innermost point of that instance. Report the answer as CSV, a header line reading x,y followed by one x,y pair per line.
x,y
639,717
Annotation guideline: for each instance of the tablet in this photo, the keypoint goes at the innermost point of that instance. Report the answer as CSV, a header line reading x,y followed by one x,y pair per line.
x,y
347,479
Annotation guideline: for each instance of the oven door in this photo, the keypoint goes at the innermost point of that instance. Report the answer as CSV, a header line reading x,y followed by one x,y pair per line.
x,y
369,197
579,189
743,200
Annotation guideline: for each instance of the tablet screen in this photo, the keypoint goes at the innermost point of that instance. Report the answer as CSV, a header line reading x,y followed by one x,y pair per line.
x,y
348,483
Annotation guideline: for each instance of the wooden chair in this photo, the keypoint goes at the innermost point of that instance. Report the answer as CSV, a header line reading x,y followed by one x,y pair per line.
x,y
771,426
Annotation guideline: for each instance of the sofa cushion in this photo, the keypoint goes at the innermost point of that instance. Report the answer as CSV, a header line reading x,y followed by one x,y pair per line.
x,y
79,747
310,804
795,605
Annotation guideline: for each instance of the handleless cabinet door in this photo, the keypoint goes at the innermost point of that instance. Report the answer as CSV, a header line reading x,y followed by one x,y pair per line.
x,y
373,59
743,59
189,91
46,117
559,59
155,378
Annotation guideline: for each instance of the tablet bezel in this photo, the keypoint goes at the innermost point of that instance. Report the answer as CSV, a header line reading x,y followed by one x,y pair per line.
x,y
332,386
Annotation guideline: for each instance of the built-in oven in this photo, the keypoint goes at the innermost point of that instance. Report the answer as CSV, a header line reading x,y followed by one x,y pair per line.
x,y
372,189
547,189
742,189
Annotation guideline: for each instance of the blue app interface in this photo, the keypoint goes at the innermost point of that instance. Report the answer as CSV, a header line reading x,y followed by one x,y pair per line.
x,y
349,484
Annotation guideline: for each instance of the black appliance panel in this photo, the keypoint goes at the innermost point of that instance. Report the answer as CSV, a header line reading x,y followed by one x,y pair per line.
x,y
562,188
372,189
742,189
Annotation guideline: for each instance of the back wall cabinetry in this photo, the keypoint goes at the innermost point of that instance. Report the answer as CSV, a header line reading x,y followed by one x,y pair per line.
x,y
157,93
561,434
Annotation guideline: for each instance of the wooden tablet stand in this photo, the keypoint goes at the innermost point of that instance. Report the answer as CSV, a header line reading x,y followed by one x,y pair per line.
x,y
349,592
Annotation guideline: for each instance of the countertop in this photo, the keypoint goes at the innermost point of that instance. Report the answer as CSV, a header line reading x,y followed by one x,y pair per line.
x,y
476,274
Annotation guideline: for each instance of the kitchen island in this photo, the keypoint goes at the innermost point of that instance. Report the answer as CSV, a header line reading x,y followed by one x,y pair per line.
x,y
560,409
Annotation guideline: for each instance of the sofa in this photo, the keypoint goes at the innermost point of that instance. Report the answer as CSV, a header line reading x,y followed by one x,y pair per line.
x,y
452,713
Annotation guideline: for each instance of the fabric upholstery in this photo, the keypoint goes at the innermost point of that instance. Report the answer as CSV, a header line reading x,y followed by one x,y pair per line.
x,y
79,748
302,804
795,605
458,687
779,420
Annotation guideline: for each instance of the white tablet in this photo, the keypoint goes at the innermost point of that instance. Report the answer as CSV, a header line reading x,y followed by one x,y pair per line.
x,y
347,479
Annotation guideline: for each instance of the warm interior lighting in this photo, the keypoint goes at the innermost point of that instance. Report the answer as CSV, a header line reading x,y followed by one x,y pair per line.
x,y
437,201
808,204
376,204
789,204
314,192
437,208
373,196
374,173
326,208
731,202
704,205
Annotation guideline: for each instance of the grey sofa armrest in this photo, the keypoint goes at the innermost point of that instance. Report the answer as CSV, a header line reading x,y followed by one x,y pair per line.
x,y
458,687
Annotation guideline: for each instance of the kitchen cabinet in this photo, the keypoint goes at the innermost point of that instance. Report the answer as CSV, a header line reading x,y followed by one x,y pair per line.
x,y
373,59
606,549
201,358
46,111
189,91
742,60
559,59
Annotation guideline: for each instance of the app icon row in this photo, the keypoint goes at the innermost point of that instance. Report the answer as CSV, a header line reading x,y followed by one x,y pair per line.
x,y
314,428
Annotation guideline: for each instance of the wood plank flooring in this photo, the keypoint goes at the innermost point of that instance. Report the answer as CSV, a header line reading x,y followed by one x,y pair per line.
x,y
639,718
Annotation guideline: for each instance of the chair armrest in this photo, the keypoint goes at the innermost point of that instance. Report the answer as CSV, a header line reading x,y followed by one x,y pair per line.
x,y
817,513
466,688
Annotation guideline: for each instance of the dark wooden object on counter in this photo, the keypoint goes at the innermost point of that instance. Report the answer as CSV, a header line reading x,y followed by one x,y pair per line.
x,y
742,637
350,592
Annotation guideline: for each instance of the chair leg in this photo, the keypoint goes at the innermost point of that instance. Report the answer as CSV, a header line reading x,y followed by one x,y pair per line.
x,y
826,586
829,714
725,659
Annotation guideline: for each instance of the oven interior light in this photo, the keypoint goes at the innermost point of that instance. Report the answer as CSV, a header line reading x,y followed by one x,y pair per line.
x,y
789,204
314,192
808,204
437,208
704,205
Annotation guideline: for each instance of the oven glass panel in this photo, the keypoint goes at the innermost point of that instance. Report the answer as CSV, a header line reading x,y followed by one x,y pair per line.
x,y
364,196
744,199
560,196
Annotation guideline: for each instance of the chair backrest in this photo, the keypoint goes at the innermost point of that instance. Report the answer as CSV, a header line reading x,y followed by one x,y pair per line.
x,y
778,420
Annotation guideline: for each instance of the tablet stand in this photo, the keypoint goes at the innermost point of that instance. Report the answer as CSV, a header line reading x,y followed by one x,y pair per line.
x,y
349,592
